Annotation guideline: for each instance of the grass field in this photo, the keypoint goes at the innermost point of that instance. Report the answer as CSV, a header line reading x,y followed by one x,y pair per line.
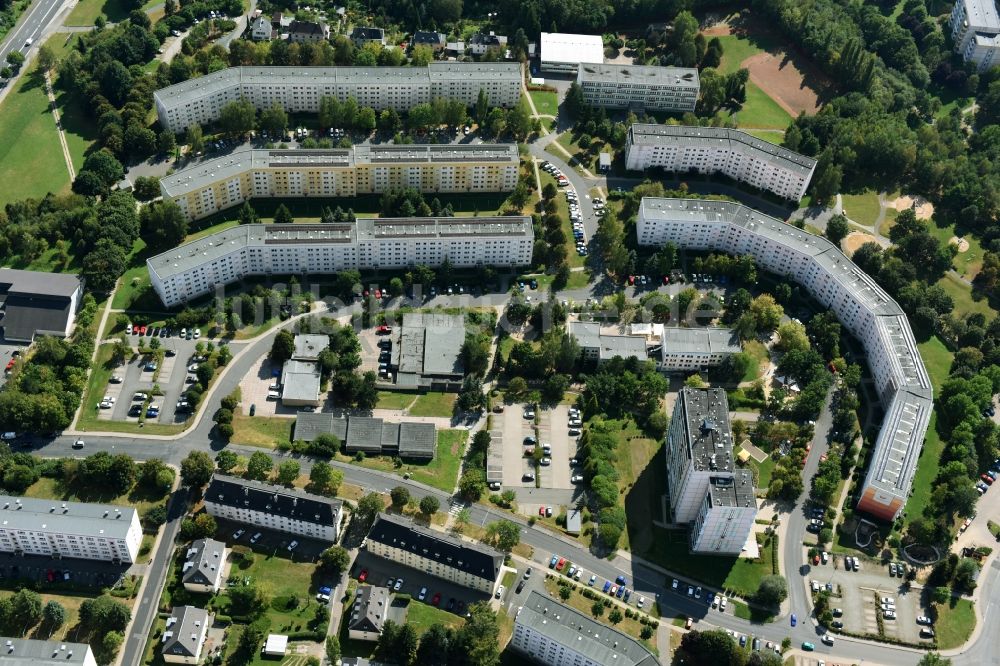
x,y
442,472
72,605
546,102
965,302
263,431
862,208
759,110
764,470
967,264
434,404
29,144
759,353
955,623
770,136
281,579
422,616
937,358
87,11
394,400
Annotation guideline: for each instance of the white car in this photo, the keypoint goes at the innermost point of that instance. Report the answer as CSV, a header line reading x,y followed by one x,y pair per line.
x,y
398,586
888,600
255,538
576,478
722,603
500,591
292,546
923,619
238,533
827,638
889,614
640,602
423,593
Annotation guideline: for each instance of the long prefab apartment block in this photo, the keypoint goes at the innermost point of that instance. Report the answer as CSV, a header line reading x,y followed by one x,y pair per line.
x,y
274,507
860,304
196,268
29,652
299,89
216,184
639,87
52,528
716,150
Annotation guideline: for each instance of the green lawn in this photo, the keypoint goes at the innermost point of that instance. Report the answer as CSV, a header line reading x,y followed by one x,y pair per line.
x,y
737,48
770,136
967,264
262,431
955,623
394,400
282,579
764,470
31,157
937,359
442,472
434,404
422,616
759,353
927,470
965,301
87,11
546,102
862,208
760,111
71,602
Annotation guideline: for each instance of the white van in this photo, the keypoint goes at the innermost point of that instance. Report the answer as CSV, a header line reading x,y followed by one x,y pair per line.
x,y
30,41
274,395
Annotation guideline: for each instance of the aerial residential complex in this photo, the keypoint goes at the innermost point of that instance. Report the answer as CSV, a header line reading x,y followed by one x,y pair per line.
x,y
26,652
711,150
226,181
30,526
975,30
860,304
639,86
706,488
472,565
554,634
194,269
274,507
299,89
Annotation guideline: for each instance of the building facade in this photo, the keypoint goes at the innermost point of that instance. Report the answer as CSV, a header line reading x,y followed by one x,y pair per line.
x,y
363,35
51,528
639,87
203,563
28,652
184,636
261,29
860,304
220,183
694,349
975,31
300,89
37,303
562,52
368,613
274,507
436,553
195,269
308,31
548,632
716,150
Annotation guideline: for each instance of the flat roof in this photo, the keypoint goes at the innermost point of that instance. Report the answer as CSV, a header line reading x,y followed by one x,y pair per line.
x,y
596,641
38,283
309,345
981,14
647,134
417,439
32,514
700,341
431,343
681,77
310,424
732,491
27,652
564,47
708,438
364,433
589,334
300,380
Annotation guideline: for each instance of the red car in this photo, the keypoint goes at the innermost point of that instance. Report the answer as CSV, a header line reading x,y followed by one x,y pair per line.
x,y
142,330
631,280
363,576
378,293
50,575
541,511
987,479
666,279
560,564
383,330
436,599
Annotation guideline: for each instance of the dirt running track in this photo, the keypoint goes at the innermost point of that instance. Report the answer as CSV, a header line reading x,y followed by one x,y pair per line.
x,y
778,76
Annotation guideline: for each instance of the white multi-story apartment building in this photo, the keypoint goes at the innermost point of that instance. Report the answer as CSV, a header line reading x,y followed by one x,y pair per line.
x,y
196,268
274,507
860,304
975,30
30,526
299,89
184,635
26,652
223,182
706,488
639,86
203,564
548,632
694,349
468,564
711,150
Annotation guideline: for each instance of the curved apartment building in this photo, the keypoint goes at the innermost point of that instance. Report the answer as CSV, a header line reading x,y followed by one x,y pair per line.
x,y
860,304
299,89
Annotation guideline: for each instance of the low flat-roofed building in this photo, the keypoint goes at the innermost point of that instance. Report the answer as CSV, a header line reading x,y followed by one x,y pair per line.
x,y
309,425
371,435
36,303
430,351
184,635
300,382
368,613
31,526
276,645
203,564
399,540
548,632
563,52
309,345
28,652
364,434
275,507
639,87
694,349
600,346
604,162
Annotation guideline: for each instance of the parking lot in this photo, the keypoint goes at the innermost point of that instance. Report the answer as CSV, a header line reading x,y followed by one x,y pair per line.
x,y
553,428
515,428
82,573
858,595
171,376
381,570
269,542
7,350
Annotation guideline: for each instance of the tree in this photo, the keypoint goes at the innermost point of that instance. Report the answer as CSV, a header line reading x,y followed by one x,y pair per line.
x,y
771,590
194,138
104,612
274,119
477,639
202,525
259,466
105,166
321,476
332,648
46,58
282,215
503,534
225,460
146,188
429,505
163,225
283,346
15,58
837,229
435,645
369,507
288,471
400,496
472,485
103,265
53,615
615,616
166,142
933,659
709,647
965,576
597,608
25,608
237,117
335,560
197,468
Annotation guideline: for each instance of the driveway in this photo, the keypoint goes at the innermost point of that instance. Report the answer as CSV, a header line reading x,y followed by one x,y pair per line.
x,y
515,428
552,429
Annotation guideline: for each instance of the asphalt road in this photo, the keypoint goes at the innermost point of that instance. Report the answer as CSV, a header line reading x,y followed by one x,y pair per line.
x,y
33,23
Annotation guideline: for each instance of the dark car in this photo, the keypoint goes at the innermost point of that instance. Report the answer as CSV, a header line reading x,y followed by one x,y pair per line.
x,y
135,410
520,586
253,409
451,604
